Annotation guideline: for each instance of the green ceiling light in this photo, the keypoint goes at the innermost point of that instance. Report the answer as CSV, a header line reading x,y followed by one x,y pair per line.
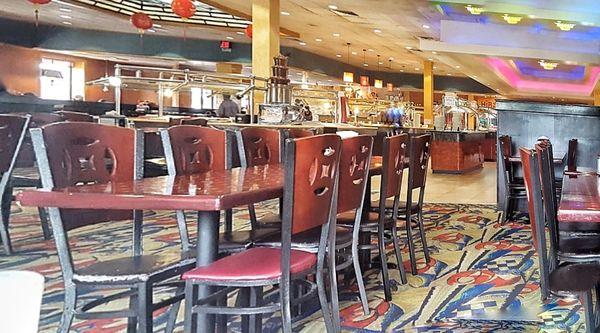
x,y
564,26
475,10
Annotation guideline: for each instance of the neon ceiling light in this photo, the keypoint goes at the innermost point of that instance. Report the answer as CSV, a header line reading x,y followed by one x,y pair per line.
x,y
565,72
517,82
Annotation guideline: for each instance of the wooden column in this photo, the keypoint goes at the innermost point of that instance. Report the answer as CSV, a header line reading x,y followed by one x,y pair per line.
x,y
597,97
265,40
428,92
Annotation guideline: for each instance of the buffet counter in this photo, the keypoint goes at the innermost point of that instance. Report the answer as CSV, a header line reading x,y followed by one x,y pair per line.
x,y
457,152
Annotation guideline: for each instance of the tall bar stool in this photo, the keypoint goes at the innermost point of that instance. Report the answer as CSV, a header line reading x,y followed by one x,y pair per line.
x,y
381,221
74,153
310,203
191,149
514,188
260,146
12,134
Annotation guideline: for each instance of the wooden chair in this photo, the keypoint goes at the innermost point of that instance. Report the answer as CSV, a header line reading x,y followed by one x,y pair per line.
x,y
514,188
380,221
188,121
309,202
260,146
191,149
75,116
297,133
572,155
12,134
69,154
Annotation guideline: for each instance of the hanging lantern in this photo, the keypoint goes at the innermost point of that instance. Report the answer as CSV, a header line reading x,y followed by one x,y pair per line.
x,y
390,87
364,81
248,31
36,5
348,77
183,8
141,21
378,84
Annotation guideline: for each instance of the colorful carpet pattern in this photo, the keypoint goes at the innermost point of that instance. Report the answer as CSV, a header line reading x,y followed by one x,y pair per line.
x,y
483,277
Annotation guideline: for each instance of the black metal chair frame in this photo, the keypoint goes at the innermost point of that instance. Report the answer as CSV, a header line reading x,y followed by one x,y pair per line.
x,y
513,190
254,288
6,188
139,289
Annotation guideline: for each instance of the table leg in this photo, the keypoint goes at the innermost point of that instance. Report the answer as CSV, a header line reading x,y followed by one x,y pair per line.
x,y
365,237
207,247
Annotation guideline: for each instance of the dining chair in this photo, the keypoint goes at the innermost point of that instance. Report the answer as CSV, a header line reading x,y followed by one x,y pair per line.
x,y
70,154
260,146
310,190
191,149
188,121
572,155
297,133
75,116
381,221
12,134
514,188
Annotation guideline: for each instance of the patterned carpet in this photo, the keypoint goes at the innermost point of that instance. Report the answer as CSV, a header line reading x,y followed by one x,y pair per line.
x,y
482,276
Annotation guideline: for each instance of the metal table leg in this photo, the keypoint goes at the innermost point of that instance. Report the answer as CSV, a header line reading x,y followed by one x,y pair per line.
x,y
207,247
365,237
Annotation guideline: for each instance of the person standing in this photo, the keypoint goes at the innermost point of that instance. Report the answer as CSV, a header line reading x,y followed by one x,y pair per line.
x,y
228,108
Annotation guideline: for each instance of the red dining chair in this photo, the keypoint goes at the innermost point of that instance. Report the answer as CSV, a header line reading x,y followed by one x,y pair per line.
x,y
70,154
514,188
75,116
311,178
188,121
12,134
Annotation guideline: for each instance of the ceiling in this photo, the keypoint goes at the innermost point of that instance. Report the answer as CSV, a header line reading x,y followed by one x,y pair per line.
x,y
483,46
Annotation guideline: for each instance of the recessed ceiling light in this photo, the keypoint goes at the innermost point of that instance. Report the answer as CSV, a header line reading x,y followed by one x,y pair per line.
x,y
151,30
365,65
67,23
229,37
457,67
66,10
330,80
402,70
475,76
391,59
66,17
409,47
433,52
381,63
434,67
302,43
285,13
449,74
318,40
531,16
338,55
240,33
430,59
377,31
354,53
371,50
425,26
333,7
335,34
416,69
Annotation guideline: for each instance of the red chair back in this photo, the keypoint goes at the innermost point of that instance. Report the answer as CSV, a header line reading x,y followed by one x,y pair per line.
x,y
297,133
420,147
193,149
12,133
259,146
354,170
394,152
75,116
526,160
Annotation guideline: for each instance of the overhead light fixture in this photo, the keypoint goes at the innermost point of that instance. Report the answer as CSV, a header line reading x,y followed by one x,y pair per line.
x,y
354,53
335,34
532,16
67,23
564,26
457,67
416,69
365,58
332,7
371,50
240,33
338,55
408,47
425,26
474,10
510,19
318,40
449,74
302,43
378,84
285,13
548,65
66,17
433,52
66,10
430,59
348,76
377,31
229,38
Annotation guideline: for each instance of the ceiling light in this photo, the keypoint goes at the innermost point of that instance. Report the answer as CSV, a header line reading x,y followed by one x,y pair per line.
x,y
318,40
371,50
66,17
564,26
338,55
474,10
548,65
511,19
229,37
302,43
67,23
381,62
409,47
335,34
457,67
333,7
391,59
365,65
449,74
430,59
587,24
157,25
285,13
240,33
475,76
354,53
434,67
416,69
402,70
377,31
378,84
433,52
152,30
66,10
425,26
532,16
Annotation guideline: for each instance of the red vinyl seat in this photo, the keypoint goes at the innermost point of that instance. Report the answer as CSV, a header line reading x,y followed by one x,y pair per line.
x,y
259,263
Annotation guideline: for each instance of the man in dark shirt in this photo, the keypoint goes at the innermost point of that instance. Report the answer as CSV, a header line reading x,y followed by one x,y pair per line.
x,y
228,108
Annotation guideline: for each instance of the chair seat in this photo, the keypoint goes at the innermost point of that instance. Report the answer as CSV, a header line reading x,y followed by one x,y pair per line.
x,y
307,240
255,264
133,269
239,240
389,204
575,278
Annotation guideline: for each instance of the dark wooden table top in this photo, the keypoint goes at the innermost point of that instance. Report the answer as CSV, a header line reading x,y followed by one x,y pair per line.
x,y
211,191
580,200
558,158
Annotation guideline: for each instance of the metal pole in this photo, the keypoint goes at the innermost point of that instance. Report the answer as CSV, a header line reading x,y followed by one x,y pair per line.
x,y
251,102
118,91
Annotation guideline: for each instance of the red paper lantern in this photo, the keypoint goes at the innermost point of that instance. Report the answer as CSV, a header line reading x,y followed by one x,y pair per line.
x,y
141,21
183,8
248,31
36,4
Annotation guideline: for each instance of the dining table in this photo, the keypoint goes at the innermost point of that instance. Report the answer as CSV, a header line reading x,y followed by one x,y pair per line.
x,y
580,200
207,193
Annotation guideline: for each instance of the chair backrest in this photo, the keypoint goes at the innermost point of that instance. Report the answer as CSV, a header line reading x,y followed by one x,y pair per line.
x,y
75,116
549,192
193,149
531,175
12,134
188,121
354,172
393,154
259,146
75,153
297,133
420,148
40,119
572,155
505,142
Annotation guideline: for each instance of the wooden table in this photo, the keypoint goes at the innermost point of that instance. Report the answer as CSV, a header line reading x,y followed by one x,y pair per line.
x,y
207,193
580,202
